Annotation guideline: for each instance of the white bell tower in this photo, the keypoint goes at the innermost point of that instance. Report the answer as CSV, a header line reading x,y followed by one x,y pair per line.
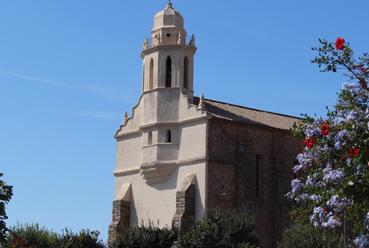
x,y
161,147
168,57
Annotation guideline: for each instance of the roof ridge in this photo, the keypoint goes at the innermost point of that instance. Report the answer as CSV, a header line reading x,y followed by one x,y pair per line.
x,y
260,110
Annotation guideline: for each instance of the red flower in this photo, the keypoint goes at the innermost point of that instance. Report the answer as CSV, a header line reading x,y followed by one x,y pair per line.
x,y
324,129
353,152
363,70
340,43
309,142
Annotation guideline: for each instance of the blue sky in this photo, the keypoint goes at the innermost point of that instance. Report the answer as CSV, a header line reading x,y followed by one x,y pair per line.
x,y
69,69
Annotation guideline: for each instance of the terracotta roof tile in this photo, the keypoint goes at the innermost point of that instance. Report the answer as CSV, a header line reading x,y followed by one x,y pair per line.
x,y
238,113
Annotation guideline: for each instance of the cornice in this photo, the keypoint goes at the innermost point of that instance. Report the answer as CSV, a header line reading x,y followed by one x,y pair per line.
x,y
158,170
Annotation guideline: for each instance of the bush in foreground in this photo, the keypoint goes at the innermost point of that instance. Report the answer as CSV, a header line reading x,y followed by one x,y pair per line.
x,y
34,236
221,229
145,237
306,236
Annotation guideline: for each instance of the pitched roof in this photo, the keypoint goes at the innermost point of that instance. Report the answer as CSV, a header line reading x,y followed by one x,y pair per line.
x,y
236,113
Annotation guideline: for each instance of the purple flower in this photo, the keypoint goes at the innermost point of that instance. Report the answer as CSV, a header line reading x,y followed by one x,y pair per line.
x,y
332,176
316,198
313,129
338,203
322,218
362,241
296,185
341,139
332,222
317,216
305,160
353,115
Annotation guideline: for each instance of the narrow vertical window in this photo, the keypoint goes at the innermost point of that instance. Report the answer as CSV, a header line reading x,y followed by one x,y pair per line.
x,y
258,175
168,73
149,138
169,136
151,76
185,73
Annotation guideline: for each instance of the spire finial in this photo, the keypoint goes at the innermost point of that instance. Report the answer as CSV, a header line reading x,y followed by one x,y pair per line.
x,y
170,4
201,105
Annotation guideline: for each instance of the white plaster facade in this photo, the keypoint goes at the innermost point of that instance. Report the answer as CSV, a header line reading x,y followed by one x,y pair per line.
x,y
165,138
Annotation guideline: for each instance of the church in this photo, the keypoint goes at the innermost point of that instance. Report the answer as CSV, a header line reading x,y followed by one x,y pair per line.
x,y
179,155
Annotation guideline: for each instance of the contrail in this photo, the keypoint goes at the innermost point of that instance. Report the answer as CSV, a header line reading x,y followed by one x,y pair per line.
x,y
107,93
53,82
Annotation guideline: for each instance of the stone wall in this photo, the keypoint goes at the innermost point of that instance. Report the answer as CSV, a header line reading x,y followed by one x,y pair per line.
x,y
236,151
184,217
121,213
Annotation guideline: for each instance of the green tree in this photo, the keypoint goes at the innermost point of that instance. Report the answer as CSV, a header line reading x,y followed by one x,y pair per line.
x,y
6,193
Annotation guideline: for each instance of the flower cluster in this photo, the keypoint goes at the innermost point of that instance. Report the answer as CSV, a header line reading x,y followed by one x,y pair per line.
x,y
362,241
332,173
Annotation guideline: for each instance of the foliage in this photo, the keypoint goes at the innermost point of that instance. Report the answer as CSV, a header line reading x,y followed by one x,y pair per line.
x,y
145,237
83,239
306,236
34,236
223,229
30,236
332,175
6,193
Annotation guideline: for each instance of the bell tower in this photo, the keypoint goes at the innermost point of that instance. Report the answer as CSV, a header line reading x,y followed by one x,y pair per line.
x,y
161,147
168,56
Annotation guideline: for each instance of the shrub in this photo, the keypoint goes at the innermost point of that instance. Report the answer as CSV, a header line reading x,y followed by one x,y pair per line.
x,y
83,239
23,236
331,178
306,236
34,236
223,229
145,237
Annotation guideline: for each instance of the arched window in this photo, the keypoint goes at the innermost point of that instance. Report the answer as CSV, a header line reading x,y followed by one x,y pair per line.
x,y
168,73
151,75
185,73
149,138
169,136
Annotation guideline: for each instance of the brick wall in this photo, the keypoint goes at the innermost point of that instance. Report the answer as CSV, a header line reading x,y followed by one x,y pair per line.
x,y
235,152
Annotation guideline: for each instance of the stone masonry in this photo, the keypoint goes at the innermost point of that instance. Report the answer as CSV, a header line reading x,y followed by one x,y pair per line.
x,y
121,213
249,169
184,217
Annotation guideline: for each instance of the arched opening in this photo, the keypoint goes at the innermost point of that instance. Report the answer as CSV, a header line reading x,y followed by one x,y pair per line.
x,y
168,73
185,73
149,138
169,136
151,75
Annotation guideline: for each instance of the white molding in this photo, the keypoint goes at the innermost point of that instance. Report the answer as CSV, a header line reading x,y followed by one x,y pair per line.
x,y
159,170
